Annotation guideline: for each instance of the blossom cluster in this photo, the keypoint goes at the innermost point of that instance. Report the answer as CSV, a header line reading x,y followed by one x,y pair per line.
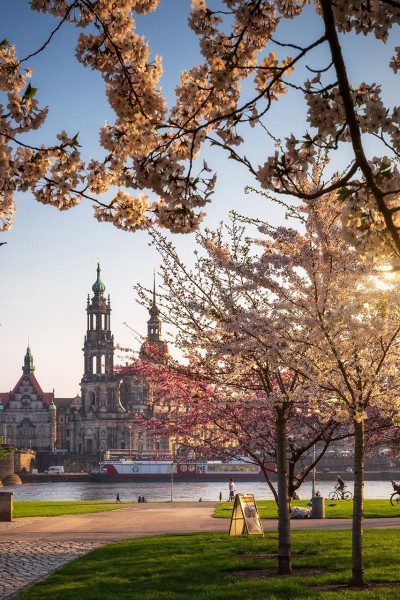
x,y
293,301
156,151
288,341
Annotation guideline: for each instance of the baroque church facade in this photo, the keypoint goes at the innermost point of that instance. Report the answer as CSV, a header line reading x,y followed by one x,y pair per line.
x,y
100,419
27,414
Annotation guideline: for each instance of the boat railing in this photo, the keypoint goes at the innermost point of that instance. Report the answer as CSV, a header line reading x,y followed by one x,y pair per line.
x,y
125,454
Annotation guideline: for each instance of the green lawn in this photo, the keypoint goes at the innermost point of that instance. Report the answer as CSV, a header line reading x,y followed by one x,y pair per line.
x,y
334,509
216,567
55,508
267,508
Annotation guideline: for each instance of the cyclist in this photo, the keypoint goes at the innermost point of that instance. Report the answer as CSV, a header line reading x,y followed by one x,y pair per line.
x,y
340,485
396,487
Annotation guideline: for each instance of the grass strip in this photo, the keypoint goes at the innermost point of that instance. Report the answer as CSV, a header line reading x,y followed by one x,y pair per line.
x,y
56,508
337,509
214,566
334,509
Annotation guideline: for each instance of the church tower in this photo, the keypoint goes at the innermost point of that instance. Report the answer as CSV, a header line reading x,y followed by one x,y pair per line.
x,y
154,336
96,427
136,394
109,397
98,347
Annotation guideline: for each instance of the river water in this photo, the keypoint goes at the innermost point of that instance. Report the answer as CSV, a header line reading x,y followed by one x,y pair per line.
x,y
165,491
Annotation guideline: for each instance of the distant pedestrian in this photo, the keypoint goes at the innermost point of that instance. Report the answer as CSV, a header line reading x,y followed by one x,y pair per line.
x,y
220,496
118,499
232,489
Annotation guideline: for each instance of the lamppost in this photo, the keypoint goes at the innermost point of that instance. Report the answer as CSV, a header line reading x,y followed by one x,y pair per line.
x,y
313,475
172,481
129,428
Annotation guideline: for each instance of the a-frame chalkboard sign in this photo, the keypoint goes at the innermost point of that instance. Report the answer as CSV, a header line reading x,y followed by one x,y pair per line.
x,y
245,517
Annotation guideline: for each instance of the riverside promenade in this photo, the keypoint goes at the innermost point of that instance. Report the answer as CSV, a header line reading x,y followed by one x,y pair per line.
x,y
32,548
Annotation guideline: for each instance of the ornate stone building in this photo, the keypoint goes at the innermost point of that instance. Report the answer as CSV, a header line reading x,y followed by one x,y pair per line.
x,y
97,424
65,408
27,414
135,393
101,419
98,420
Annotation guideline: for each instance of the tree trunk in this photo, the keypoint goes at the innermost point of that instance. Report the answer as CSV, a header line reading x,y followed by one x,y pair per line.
x,y
284,541
358,578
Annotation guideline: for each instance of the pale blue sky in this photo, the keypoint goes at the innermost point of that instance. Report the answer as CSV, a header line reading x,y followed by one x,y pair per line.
x,y
49,263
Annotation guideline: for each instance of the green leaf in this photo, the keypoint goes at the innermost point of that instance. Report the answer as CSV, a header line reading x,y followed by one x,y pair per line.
x,y
344,193
308,140
74,142
385,171
30,92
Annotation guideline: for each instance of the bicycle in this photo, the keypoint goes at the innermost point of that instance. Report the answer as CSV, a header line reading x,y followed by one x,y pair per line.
x,y
395,497
338,494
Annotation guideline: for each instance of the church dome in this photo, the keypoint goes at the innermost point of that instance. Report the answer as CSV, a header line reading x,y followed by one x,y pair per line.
x,y
98,287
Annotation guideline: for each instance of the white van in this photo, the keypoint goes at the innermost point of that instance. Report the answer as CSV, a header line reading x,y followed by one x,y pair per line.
x,y
55,470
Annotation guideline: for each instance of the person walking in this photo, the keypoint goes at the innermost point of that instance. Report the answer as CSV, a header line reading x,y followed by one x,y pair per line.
x,y
232,489
118,499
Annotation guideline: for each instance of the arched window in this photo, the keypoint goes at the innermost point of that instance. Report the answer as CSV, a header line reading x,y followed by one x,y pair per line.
x,y
111,400
92,399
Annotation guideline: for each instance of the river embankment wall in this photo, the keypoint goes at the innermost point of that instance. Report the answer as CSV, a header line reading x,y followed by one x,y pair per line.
x,y
78,466
387,475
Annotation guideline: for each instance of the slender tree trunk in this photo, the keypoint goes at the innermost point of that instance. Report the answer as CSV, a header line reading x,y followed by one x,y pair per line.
x,y
358,578
284,541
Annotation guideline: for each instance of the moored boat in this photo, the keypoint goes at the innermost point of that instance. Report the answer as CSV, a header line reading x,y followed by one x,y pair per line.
x,y
165,469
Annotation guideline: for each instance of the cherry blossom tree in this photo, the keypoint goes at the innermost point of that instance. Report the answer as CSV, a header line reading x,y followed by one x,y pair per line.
x,y
239,404
354,335
304,313
384,434
248,65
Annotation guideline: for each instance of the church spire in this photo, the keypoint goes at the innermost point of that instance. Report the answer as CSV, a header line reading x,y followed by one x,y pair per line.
x,y
28,367
153,326
98,287
99,341
154,323
154,287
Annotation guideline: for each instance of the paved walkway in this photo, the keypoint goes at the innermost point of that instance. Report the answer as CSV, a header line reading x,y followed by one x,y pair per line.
x,y
32,548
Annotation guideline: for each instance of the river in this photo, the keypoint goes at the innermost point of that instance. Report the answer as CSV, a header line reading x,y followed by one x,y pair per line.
x,y
165,491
